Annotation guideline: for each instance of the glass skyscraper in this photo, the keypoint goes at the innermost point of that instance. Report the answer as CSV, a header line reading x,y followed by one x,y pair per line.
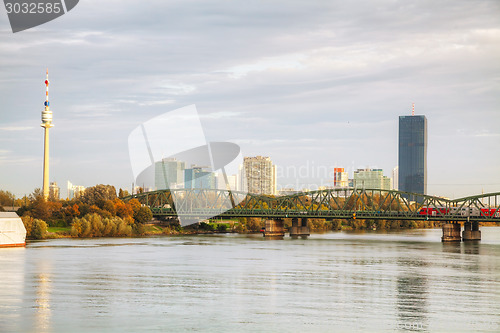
x,y
413,154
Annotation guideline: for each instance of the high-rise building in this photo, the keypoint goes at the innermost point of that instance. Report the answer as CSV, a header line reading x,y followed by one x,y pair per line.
x,y
395,177
412,154
169,173
232,182
340,178
197,178
75,191
54,191
371,179
260,175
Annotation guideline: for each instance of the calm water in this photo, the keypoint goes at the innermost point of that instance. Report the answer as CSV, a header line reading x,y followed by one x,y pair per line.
x,y
406,281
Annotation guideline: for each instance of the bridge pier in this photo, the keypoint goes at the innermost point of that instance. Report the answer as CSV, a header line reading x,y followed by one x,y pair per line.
x,y
299,228
451,232
274,229
471,231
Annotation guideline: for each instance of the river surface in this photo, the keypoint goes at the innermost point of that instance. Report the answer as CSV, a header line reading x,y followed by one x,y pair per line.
x,y
332,282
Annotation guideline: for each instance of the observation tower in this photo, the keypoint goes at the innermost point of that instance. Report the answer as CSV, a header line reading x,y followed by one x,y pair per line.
x,y
46,124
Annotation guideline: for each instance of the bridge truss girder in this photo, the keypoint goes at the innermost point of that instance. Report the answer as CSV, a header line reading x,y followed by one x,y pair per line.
x,y
330,204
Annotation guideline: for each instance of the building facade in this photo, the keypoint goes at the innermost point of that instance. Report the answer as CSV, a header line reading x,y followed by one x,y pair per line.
x,y
260,175
198,178
340,178
169,173
412,154
371,179
75,191
54,191
394,180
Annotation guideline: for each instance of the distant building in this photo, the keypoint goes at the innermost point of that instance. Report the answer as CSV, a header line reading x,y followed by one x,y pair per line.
x,y
412,154
260,175
340,178
220,182
371,179
169,173
394,180
198,178
287,191
75,191
54,191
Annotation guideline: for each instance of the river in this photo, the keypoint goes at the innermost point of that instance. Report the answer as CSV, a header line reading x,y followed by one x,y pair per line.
x,y
331,282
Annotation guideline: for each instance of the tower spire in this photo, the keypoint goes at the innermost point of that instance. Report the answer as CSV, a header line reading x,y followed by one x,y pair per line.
x,y
412,107
47,91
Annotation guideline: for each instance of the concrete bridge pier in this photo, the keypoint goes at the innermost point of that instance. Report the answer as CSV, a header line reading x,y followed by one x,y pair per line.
x,y
451,232
471,231
274,229
299,228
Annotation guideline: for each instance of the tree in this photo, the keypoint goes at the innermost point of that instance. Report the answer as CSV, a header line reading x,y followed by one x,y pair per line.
x,y
134,204
143,215
35,228
39,207
6,198
122,209
98,194
123,193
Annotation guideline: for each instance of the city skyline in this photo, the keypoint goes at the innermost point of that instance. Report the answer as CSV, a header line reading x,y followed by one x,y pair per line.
x,y
313,85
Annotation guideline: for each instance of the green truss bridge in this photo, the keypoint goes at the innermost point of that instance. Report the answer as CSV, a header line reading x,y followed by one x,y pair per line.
x,y
198,204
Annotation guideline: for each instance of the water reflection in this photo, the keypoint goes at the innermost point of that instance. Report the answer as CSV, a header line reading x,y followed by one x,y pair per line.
x,y
11,287
412,293
43,286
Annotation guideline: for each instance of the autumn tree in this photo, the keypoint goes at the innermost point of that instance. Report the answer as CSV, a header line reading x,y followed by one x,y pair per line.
x,y
6,198
98,195
143,215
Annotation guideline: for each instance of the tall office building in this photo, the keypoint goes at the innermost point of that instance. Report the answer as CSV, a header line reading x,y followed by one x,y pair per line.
x,y
340,177
169,173
371,179
395,176
413,154
260,175
198,178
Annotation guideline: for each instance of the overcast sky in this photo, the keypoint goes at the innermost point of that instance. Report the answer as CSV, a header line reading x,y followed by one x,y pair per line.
x,y
312,84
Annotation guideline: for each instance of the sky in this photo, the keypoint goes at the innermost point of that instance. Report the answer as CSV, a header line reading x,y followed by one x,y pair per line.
x,y
311,84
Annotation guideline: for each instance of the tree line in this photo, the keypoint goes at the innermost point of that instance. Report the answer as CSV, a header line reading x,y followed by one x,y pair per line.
x,y
98,212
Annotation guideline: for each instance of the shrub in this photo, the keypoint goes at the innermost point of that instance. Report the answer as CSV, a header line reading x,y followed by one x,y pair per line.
x,y
35,228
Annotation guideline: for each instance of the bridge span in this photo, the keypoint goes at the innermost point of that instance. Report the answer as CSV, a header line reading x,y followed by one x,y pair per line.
x,y
194,205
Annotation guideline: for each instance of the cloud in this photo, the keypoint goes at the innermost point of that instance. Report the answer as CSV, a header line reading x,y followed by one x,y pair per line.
x,y
330,77
16,128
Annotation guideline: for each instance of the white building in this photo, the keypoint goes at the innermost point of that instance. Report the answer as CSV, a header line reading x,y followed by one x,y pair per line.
x,y
260,175
395,179
75,191
232,180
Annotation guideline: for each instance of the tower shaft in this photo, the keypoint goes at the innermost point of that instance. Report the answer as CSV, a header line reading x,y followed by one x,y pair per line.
x,y
46,164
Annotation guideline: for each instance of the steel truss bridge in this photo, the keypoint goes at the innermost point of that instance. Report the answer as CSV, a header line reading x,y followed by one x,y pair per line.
x,y
342,203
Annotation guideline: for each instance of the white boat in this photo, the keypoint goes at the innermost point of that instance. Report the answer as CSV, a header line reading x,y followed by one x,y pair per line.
x,y
12,230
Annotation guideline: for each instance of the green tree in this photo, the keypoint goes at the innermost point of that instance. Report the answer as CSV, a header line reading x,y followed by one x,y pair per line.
x,y
35,228
143,215
98,194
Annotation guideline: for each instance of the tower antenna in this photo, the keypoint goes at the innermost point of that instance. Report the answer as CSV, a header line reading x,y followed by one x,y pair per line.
x,y
412,109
